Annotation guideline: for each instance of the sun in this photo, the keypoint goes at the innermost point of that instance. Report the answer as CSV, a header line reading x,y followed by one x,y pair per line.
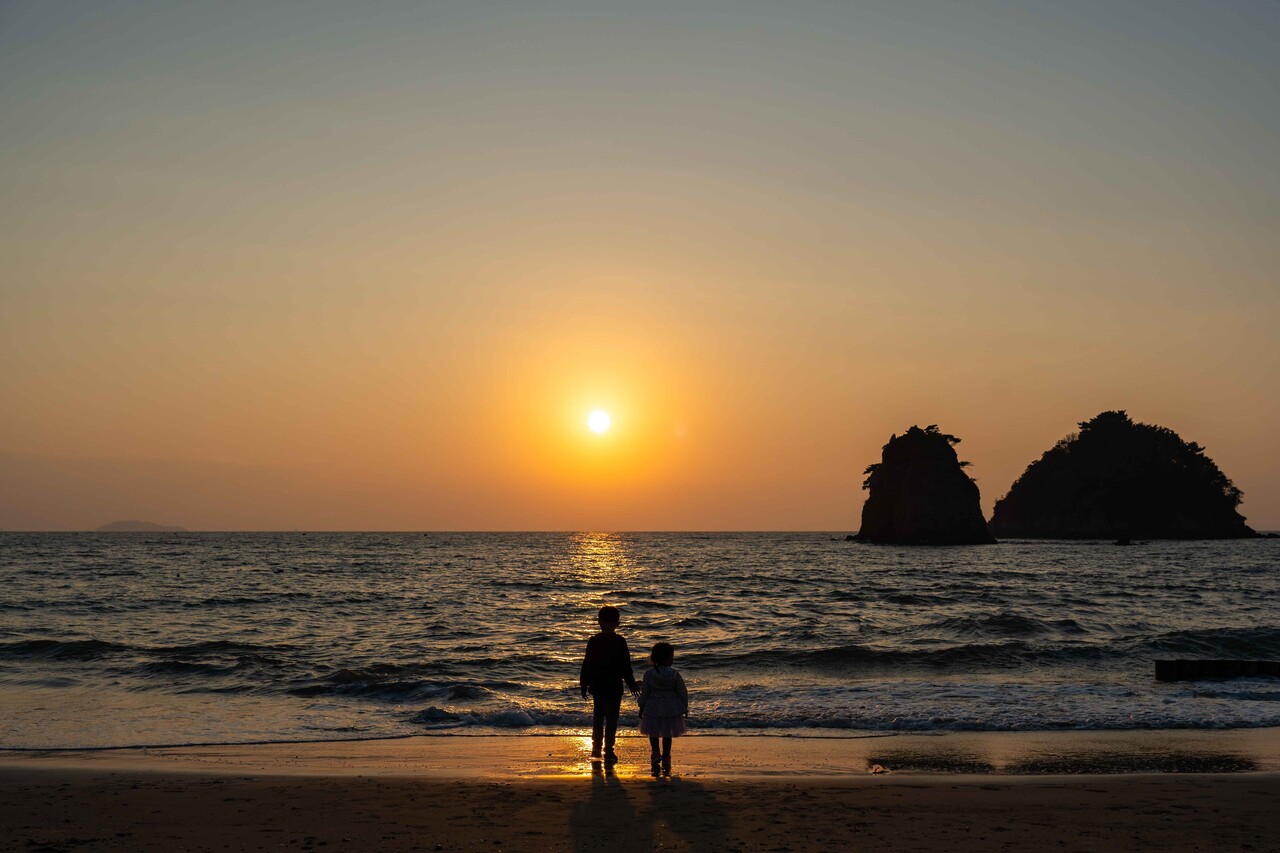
x,y
599,421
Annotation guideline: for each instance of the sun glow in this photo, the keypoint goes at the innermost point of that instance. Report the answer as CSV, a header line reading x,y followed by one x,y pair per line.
x,y
599,421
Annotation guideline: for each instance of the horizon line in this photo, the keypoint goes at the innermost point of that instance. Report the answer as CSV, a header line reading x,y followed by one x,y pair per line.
x,y
429,530
1259,530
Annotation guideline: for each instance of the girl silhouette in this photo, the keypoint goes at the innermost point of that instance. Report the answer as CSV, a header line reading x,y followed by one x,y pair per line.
x,y
664,703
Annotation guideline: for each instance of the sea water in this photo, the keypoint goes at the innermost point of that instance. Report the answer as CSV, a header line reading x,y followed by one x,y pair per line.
x,y
127,639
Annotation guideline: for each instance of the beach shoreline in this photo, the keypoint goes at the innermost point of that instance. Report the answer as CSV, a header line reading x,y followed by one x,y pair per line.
x,y
958,791
703,756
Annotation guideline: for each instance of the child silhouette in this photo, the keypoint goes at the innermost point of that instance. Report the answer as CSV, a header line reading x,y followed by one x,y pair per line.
x,y
664,703
606,665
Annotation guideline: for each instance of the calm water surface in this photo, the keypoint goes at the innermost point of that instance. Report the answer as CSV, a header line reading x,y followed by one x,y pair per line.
x,y
179,638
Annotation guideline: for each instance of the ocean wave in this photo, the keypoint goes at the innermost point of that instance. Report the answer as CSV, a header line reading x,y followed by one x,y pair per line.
x,y
859,657
170,668
995,642
382,683
154,657
1005,624
230,601
76,650
912,707
399,691
699,621
434,718
1243,643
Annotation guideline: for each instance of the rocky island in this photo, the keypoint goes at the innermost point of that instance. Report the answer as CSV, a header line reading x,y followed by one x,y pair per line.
x,y
1123,480
138,527
919,494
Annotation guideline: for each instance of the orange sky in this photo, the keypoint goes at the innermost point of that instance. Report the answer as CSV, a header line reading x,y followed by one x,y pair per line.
x,y
372,272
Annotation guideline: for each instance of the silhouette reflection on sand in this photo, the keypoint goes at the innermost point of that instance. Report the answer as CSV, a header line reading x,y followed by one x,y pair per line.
x,y
612,819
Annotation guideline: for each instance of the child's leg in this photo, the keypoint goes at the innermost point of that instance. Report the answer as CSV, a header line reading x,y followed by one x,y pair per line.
x,y
666,747
611,721
653,745
597,724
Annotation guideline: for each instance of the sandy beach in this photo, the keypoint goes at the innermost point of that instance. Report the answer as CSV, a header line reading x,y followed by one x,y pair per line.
x,y
1063,791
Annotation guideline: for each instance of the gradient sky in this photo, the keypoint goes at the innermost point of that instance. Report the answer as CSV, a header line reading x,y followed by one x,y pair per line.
x,y
369,265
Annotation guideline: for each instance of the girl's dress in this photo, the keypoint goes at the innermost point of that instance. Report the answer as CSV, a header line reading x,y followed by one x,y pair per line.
x,y
663,703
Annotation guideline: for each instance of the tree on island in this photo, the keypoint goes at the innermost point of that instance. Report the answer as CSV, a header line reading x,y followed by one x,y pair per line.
x,y
919,494
1119,479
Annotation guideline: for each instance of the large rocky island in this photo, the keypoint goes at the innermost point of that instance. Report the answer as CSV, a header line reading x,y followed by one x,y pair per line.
x,y
1119,479
919,494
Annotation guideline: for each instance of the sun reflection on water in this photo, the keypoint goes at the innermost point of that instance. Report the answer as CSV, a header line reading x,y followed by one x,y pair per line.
x,y
570,757
600,558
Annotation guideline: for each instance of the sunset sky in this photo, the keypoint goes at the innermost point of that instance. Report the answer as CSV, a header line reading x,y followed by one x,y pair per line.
x,y
371,265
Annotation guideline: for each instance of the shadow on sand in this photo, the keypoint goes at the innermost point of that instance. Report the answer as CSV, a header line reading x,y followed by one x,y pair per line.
x,y
619,816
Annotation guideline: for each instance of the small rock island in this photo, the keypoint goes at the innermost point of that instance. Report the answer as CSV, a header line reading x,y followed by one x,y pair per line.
x,y
919,494
1119,479
138,527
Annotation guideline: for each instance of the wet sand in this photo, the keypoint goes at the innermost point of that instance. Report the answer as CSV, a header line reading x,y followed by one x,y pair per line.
x,y
1052,791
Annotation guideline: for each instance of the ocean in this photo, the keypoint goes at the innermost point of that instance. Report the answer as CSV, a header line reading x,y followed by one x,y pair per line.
x,y
158,639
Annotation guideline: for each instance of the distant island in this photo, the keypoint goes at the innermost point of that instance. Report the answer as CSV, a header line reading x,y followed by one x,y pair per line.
x,y
138,527
1119,479
919,494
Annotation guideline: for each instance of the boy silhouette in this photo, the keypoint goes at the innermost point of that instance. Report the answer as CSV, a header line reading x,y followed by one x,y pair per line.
x,y
606,665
